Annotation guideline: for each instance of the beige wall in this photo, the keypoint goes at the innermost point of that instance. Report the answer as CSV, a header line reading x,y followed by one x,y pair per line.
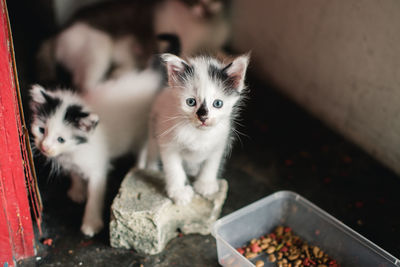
x,y
340,59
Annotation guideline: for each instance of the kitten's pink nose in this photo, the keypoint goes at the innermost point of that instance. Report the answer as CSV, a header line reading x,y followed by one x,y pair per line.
x,y
44,147
202,118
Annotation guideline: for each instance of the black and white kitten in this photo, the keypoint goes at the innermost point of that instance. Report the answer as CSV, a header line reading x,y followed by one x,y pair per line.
x,y
82,134
191,122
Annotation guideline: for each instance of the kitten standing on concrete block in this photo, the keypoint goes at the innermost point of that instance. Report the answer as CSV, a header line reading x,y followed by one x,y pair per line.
x,y
191,122
80,135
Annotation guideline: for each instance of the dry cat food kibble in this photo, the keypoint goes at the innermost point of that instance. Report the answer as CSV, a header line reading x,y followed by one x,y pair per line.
x,y
287,250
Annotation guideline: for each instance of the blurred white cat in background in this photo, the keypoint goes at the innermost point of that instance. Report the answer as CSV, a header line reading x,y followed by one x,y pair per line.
x,y
110,38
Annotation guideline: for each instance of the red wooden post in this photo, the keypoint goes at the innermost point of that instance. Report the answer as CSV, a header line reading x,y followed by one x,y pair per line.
x,y
16,231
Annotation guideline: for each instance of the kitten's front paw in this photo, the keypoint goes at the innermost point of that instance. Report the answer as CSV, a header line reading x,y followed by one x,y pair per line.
x,y
91,227
181,196
206,188
77,195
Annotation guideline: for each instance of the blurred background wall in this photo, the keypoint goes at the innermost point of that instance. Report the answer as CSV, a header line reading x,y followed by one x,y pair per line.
x,y
338,59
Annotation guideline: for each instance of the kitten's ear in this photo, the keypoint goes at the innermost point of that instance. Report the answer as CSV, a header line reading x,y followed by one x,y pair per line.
x,y
38,94
39,97
89,122
236,71
176,68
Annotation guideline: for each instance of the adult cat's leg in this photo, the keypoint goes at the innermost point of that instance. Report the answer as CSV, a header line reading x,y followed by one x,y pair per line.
x,y
148,158
142,158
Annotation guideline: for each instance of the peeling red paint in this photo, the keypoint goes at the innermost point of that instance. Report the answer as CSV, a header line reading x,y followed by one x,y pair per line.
x,y
16,232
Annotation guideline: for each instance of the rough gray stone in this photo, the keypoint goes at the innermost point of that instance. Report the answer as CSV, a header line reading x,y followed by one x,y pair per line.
x,y
145,219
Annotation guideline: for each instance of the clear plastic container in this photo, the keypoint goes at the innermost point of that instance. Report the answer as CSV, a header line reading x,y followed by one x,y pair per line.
x,y
308,221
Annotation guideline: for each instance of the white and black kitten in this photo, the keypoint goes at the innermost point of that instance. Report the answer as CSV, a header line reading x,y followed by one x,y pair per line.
x,y
191,122
82,134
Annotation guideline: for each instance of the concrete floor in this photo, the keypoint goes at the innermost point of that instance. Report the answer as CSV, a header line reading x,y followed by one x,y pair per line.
x,y
281,148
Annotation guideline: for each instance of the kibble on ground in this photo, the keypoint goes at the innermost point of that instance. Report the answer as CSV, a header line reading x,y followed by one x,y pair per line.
x,y
287,250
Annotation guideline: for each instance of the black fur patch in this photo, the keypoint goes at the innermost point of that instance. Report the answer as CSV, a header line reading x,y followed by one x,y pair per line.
x,y
187,72
80,139
203,110
228,82
217,73
74,114
49,107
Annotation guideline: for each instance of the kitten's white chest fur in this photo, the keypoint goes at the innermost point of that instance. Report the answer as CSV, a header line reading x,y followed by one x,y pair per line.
x,y
195,145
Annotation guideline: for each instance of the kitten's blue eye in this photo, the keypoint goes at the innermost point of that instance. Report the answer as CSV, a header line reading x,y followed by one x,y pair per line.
x,y
191,102
218,103
41,130
60,139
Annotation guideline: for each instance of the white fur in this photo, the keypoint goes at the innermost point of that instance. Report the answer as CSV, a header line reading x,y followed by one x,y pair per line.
x,y
180,139
85,52
122,106
88,54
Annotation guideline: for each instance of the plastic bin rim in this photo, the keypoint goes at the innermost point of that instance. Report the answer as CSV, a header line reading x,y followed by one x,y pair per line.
x,y
323,214
252,206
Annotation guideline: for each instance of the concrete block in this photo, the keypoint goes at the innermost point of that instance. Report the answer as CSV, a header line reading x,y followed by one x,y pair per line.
x,y
145,219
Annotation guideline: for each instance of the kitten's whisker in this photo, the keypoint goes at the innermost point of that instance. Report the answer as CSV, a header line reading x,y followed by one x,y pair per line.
x,y
237,134
49,163
173,118
240,124
170,129
54,169
240,133
180,86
